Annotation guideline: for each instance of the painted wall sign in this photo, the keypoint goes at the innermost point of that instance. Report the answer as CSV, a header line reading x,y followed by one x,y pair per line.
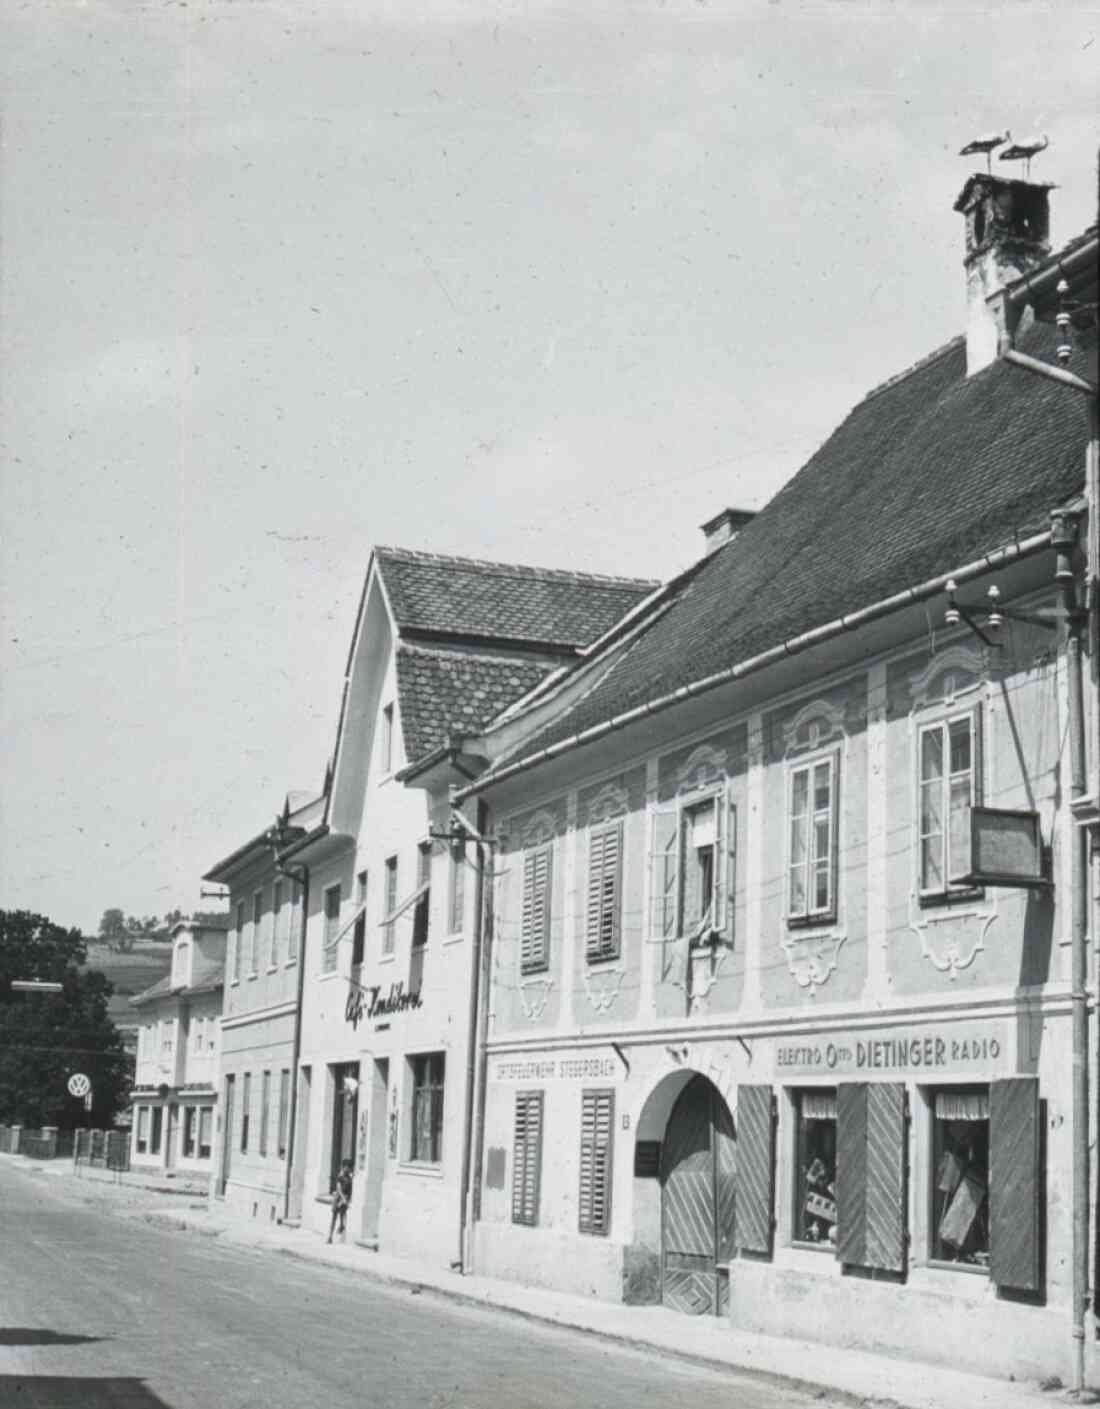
x,y
558,1069
944,1047
368,1002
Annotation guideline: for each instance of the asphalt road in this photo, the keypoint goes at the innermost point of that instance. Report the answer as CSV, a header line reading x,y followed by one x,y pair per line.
x,y
99,1310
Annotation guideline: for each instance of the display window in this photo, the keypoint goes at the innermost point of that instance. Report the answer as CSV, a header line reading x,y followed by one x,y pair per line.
x,y
960,1177
815,1209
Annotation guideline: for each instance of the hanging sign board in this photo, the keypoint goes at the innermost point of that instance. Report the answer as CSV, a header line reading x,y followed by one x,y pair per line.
x,y
1005,850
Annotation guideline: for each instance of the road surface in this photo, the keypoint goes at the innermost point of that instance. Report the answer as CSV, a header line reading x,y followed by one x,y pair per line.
x,y
97,1310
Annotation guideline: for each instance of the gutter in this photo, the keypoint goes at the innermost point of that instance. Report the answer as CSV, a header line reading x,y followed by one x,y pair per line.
x,y
818,635
1033,287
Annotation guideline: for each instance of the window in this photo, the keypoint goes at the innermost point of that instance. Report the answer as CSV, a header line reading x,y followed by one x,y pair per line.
x,y
527,1157
426,1139
284,1111
198,1035
254,934
812,857
815,1168
265,1110
142,1129
699,868
238,947
605,879
158,1122
597,1127
294,923
422,912
694,868
948,790
391,904
167,1029
246,1104
387,738
331,934
279,928
960,1159
189,1132
456,898
206,1127
359,937
538,874
345,1108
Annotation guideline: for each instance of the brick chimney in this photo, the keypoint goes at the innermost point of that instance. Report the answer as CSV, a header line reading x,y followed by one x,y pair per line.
x,y
725,527
1007,235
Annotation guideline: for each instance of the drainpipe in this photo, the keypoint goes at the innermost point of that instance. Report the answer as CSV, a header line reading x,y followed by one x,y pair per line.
x,y
301,875
465,1260
485,866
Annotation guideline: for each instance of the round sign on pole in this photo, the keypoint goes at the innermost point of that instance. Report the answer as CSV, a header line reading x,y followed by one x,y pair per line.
x,y
79,1085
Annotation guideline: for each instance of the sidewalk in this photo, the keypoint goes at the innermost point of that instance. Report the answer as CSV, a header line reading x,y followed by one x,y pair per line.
x,y
820,1370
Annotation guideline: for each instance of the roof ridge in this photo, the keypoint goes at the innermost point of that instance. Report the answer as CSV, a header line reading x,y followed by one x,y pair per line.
x,y
950,346
421,555
443,653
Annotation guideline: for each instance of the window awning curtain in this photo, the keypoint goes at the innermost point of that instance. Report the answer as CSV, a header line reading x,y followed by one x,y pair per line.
x,y
962,1105
819,1105
409,900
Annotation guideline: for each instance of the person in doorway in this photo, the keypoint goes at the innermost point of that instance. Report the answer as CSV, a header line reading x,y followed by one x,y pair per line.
x,y
341,1198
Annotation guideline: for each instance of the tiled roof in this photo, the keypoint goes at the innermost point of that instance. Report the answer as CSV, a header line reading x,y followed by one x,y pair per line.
x,y
447,692
464,597
207,976
928,472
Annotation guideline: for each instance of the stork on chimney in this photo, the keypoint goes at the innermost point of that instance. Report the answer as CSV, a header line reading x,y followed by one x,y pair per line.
x,y
985,144
1024,150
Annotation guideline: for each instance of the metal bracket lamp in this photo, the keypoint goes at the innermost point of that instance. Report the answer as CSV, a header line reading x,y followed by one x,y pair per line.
x,y
994,615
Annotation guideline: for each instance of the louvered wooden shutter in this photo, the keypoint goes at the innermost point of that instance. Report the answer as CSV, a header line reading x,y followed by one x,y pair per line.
x,y
870,1175
535,931
605,855
725,867
665,873
527,1158
755,1168
1014,1184
597,1125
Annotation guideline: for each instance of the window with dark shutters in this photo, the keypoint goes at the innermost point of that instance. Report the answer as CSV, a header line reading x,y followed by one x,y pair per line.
x,y
535,930
1015,1184
527,1158
756,1165
870,1175
605,869
597,1125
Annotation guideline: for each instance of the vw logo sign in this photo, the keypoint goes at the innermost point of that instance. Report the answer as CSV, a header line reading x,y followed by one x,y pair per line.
x,y
79,1085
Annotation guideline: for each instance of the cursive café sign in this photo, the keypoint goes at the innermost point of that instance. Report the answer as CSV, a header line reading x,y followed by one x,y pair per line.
x,y
372,1003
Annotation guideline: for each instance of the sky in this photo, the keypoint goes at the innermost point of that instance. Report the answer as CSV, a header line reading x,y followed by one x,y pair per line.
x,y
542,283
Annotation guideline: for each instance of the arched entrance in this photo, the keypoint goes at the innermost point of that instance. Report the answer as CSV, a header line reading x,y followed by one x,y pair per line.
x,y
698,1179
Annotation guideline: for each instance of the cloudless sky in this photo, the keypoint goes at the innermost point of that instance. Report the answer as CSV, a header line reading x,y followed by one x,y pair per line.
x,y
546,283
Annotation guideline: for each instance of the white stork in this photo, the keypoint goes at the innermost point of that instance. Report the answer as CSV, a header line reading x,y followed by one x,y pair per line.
x,y
985,144
1025,149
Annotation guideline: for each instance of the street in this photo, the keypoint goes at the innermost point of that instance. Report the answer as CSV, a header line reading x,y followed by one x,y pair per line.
x,y
99,1310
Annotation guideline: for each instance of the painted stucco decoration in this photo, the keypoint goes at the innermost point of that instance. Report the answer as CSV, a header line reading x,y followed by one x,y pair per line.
x,y
603,985
611,801
704,767
811,958
534,994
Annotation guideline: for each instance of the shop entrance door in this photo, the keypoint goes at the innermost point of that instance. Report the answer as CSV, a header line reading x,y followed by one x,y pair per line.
x,y
697,1193
378,1098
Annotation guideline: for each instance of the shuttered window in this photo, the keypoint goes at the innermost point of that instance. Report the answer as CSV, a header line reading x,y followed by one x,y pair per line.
x,y
605,873
694,869
597,1127
756,1165
870,1175
538,869
330,938
265,1110
527,1157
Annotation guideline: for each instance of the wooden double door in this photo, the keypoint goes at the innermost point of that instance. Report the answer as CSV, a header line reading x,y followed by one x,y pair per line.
x,y
698,1180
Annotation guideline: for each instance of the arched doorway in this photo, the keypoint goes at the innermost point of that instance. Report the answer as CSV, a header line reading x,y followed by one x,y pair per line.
x,y
698,1179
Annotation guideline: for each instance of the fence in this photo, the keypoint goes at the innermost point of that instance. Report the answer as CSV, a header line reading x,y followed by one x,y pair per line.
x,y
109,1149
103,1149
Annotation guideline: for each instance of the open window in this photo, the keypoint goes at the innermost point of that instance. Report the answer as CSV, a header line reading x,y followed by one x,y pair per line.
x,y
812,841
949,785
694,868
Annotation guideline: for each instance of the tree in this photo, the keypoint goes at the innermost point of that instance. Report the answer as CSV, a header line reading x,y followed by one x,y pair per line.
x,y
112,928
46,1037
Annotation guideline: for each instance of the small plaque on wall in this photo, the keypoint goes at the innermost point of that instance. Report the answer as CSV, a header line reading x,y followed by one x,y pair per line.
x,y
647,1159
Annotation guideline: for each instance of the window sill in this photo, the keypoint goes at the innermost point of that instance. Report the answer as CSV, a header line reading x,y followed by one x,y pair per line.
x,y
291,963
387,958
329,973
454,938
595,960
534,971
272,968
233,982
253,974
948,899
421,1169
800,1245
972,1269
811,922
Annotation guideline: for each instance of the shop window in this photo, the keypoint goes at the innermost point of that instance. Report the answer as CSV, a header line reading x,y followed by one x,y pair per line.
x,y
815,1205
597,1132
189,1132
388,932
538,875
527,1157
158,1123
206,1131
359,934
238,943
603,936
811,860
456,899
284,1111
426,1136
143,1130
330,937
948,788
960,1183
246,1109
265,1110
345,1111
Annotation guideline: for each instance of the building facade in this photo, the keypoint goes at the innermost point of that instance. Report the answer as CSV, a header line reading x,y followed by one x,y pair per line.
x,y
789,883
174,1098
